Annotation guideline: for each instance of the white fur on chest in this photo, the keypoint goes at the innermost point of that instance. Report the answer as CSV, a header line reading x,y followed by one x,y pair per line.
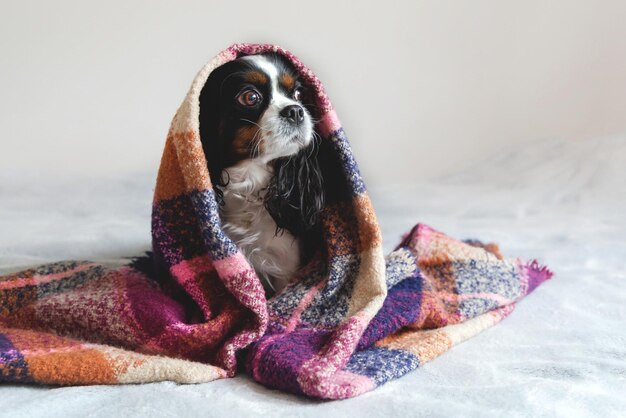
x,y
246,221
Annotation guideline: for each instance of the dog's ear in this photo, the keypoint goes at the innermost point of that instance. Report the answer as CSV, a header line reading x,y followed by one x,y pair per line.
x,y
214,146
295,195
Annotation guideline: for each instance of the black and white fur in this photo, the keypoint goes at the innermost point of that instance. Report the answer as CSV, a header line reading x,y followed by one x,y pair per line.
x,y
261,150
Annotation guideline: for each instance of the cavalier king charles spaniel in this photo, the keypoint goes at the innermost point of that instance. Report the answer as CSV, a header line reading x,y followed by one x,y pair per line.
x,y
262,153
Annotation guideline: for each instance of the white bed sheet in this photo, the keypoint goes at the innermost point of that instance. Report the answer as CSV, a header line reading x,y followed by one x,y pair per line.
x,y
562,352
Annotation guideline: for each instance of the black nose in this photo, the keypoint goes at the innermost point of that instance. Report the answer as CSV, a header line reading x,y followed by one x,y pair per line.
x,y
293,113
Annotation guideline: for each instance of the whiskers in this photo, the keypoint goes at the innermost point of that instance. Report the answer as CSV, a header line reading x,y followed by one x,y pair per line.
x,y
256,140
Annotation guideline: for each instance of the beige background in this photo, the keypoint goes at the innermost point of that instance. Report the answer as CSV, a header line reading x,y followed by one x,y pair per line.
x,y
422,87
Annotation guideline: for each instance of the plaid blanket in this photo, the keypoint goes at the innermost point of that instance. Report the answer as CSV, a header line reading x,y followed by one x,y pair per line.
x,y
193,309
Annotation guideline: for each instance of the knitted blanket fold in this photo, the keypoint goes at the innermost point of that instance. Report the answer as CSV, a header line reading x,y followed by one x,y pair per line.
x,y
189,311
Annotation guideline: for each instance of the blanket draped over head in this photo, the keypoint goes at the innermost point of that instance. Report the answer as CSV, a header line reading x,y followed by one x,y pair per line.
x,y
193,309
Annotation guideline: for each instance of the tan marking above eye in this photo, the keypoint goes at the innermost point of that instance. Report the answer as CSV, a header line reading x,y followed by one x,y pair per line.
x,y
256,77
288,81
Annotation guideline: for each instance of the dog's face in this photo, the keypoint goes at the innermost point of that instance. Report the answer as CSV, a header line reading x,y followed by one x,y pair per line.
x,y
255,107
252,108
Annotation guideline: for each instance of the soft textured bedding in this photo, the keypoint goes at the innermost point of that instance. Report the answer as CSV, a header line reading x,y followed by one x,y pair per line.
x,y
193,310
562,353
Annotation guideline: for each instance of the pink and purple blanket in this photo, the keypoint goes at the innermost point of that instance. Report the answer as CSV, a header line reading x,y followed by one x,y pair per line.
x,y
193,309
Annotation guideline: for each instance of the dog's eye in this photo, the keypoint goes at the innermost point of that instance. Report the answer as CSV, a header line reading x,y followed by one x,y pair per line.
x,y
249,98
297,94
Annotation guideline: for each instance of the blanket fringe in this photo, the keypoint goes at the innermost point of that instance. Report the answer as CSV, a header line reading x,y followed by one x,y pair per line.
x,y
537,274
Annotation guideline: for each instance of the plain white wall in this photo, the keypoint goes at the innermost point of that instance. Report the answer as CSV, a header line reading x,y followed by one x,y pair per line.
x,y
422,87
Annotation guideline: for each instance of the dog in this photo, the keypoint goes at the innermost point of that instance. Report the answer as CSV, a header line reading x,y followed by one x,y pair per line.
x,y
258,135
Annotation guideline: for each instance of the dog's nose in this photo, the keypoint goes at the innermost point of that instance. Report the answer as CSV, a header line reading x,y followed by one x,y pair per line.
x,y
293,113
